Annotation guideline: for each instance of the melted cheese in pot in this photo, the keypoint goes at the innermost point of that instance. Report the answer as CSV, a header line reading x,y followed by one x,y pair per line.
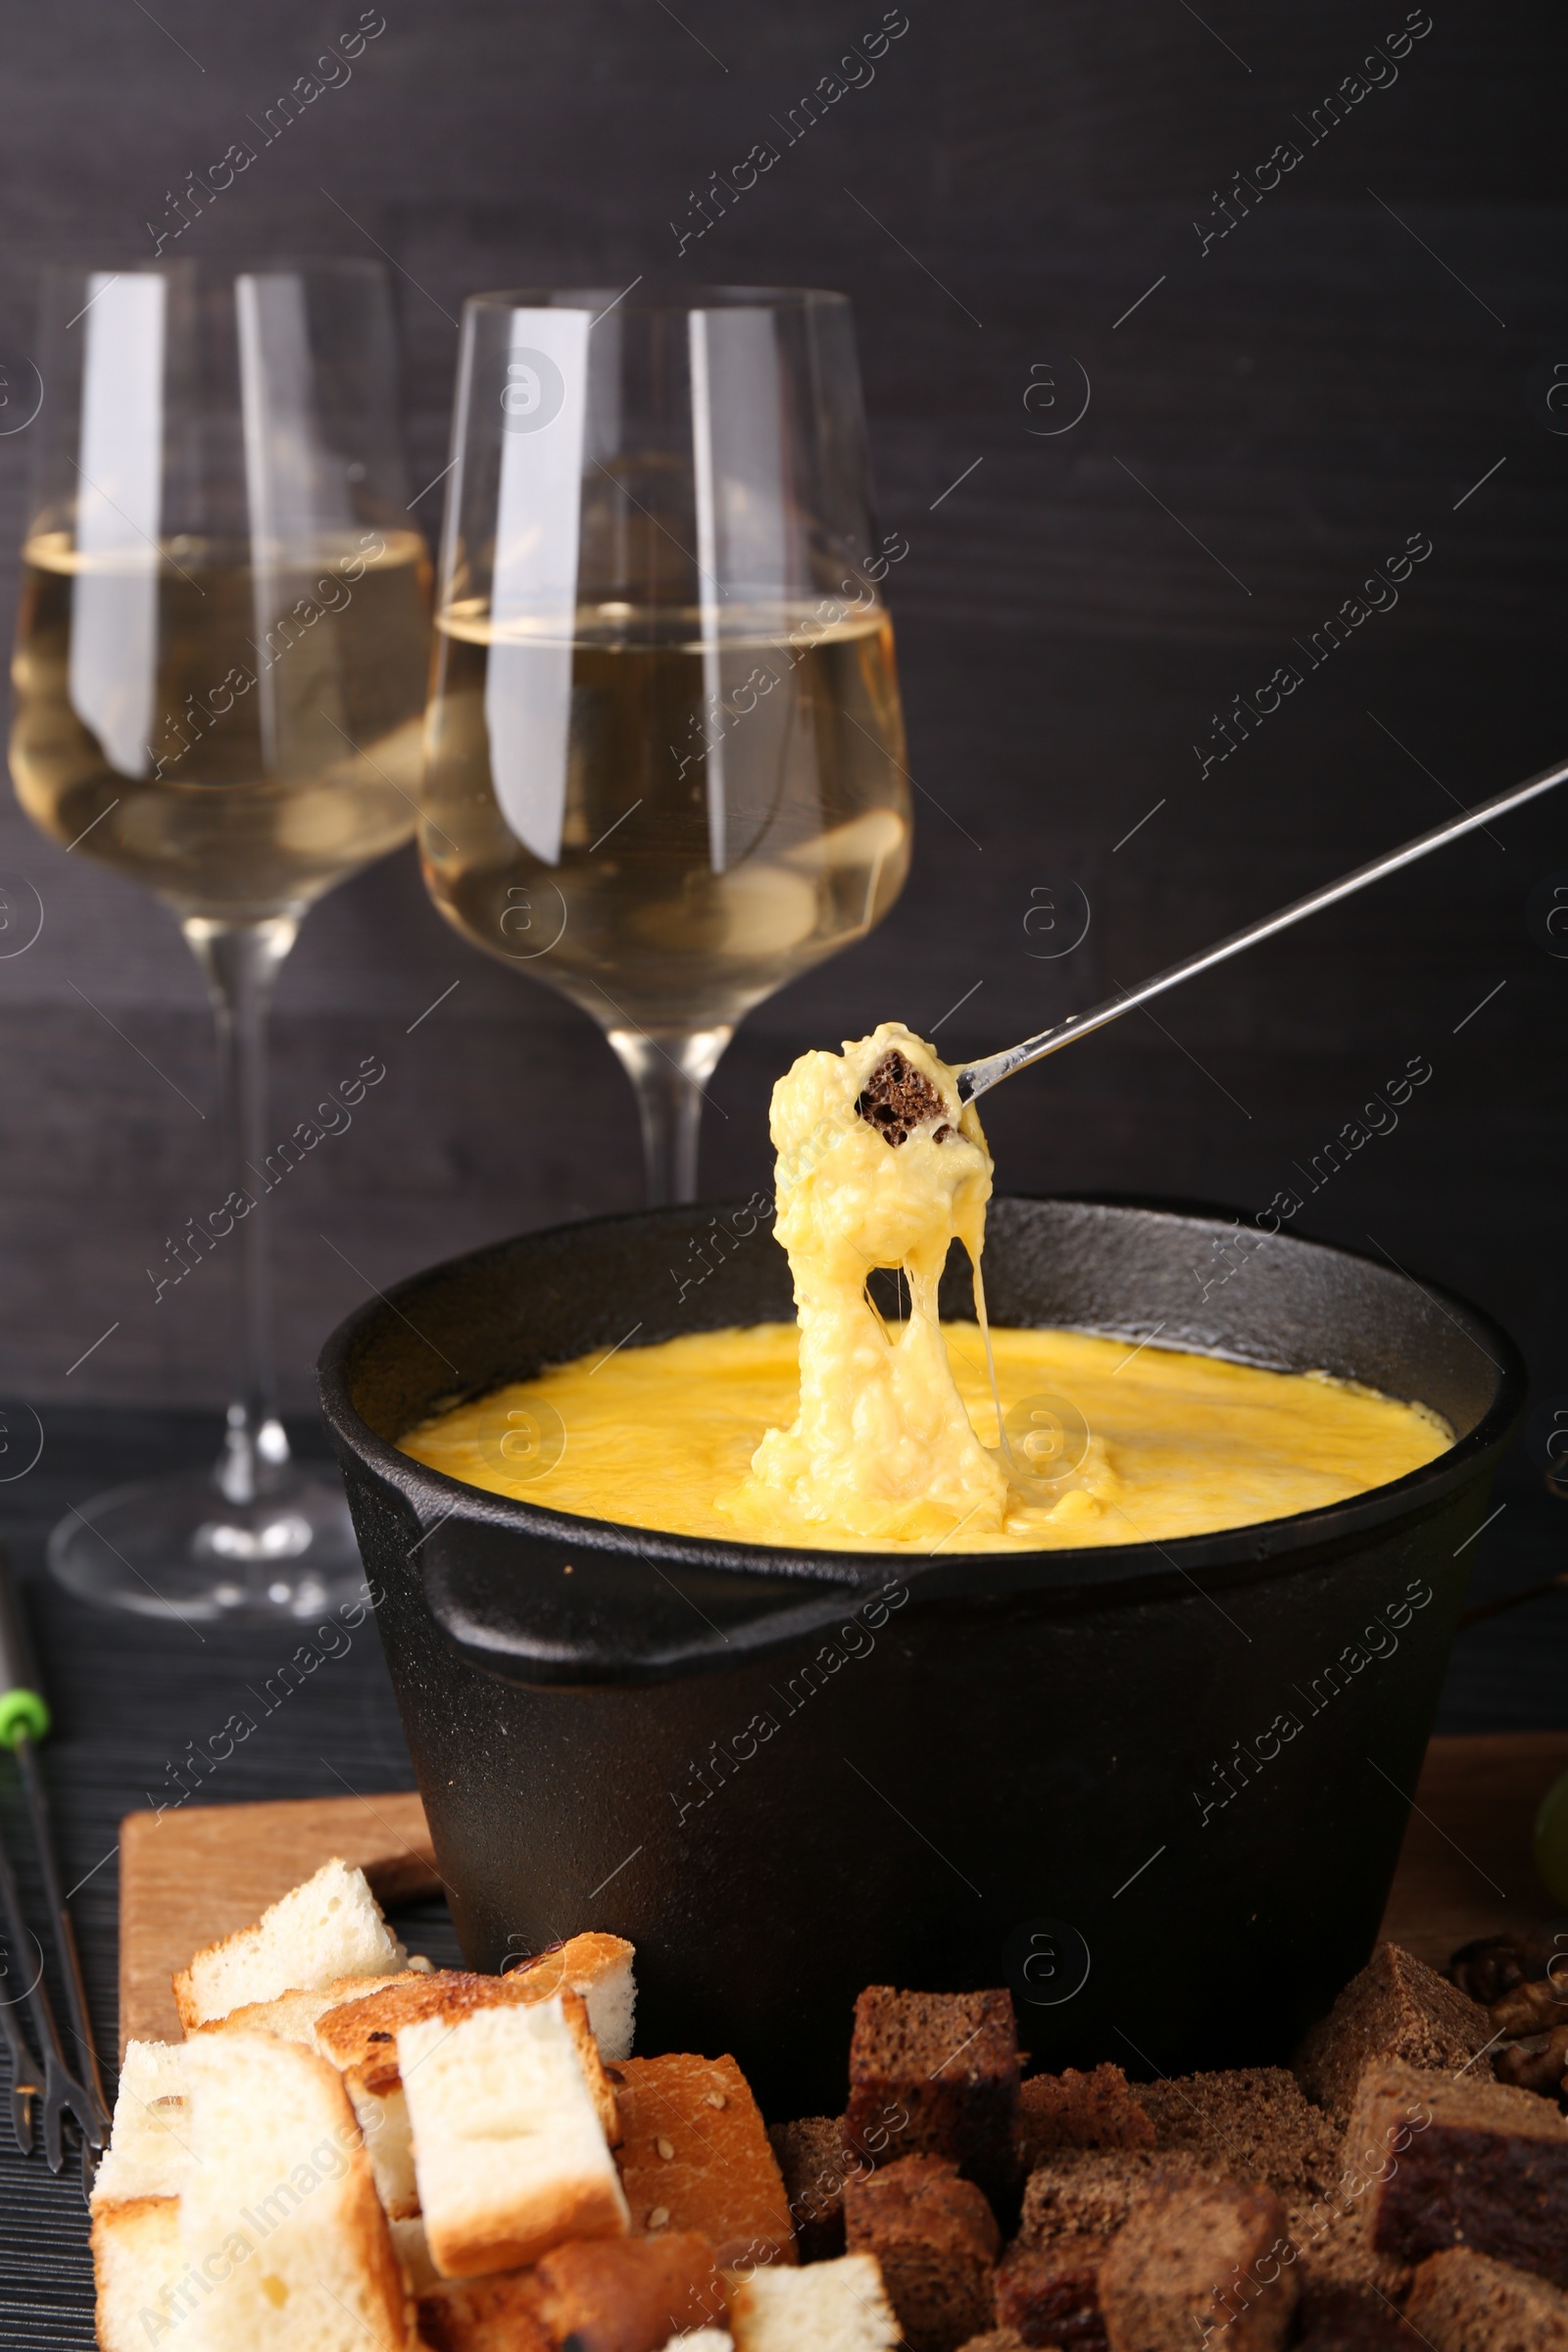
x,y
851,1433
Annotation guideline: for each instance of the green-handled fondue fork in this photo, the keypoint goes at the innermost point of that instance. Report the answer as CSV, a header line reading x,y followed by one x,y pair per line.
x,y
24,1722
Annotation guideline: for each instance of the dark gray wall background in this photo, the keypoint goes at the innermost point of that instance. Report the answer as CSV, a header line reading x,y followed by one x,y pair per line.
x,y
1278,415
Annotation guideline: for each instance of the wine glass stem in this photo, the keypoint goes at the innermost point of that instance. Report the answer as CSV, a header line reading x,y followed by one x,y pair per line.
x,y
240,962
668,1069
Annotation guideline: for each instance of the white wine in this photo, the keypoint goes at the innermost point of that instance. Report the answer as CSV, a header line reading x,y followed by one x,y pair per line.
x,y
666,824
235,736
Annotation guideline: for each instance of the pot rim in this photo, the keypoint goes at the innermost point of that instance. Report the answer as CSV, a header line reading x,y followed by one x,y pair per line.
x,y
1260,1547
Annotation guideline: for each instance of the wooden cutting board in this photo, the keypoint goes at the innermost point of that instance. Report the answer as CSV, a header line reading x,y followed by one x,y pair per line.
x,y
1466,1867
188,1877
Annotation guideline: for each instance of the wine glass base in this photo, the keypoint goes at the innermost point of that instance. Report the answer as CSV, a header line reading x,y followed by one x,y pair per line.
x,y
177,1548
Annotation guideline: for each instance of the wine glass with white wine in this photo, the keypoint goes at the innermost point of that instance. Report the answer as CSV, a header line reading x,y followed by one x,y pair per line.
x,y
221,672
665,764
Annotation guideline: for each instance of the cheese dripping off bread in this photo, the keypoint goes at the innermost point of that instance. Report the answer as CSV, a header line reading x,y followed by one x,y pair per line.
x,y
881,1444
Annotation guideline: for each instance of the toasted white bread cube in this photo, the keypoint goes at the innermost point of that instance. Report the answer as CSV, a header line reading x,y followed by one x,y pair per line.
x,y
138,2267
278,2214
149,2149
360,2036
509,2155
382,2115
600,1968
703,2340
293,2016
597,1968
827,2307
331,1927
410,2245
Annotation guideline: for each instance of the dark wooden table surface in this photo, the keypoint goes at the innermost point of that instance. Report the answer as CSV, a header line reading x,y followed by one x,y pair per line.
x,y
129,1694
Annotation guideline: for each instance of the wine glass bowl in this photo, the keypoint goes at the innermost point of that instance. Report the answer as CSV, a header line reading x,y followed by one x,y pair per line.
x,y
220,671
217,823
664,747
225,614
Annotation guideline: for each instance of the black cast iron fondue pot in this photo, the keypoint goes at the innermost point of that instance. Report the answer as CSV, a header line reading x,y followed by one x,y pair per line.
x,y
1159,1789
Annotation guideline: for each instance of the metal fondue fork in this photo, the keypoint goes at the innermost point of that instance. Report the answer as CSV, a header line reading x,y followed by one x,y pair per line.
x,y
979,1077
25,2071
25,1718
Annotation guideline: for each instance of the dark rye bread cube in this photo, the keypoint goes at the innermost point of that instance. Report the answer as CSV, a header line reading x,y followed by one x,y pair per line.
x,y
1336,2263
1460,2162
935,2239
1249,2123
1343,2321
1073,2110
1207,2263
936,2074
899,1098
1396,2008
811,2160
1464,2302
995,2340
1051,2294
1090,2191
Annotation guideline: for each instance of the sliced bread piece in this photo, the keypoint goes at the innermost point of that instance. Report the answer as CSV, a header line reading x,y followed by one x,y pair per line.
x,y
1205,2264
278,2216
1090,2191
935,2239
936,2074
509,2155
811,2160
696,2156
1051,2294
375,2086
149,2149
1396,2008
382,2115
1336,2260
294,2016
331,1927
1460,2161
501,2314
1073,2110
1465,2302
703,2340
600,1968
361,2036
1249,2123
629,2294
409,2243
138,2268
827,2307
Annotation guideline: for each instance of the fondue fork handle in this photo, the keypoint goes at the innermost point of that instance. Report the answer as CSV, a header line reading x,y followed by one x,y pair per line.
x,y
25,1720
979,1077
